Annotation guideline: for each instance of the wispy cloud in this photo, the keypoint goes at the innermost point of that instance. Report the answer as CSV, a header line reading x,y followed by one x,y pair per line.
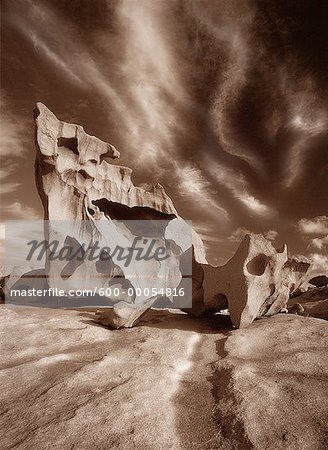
x,y
12,131
8,187
230,32
58,42
13,139
149,92
193,185
155,91
255,205
238,186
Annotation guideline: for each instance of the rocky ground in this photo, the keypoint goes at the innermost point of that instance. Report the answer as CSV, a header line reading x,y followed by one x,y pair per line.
x,y
172,382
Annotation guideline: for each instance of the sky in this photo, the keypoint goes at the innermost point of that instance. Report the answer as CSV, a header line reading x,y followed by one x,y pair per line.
x,y
225,103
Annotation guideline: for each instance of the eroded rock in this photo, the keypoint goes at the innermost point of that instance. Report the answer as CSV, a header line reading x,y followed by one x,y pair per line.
x,y
250,280
79,181
256,281
87,199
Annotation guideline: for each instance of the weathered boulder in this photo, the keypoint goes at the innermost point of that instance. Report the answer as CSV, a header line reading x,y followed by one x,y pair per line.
x,y
315,277
256,281
250,280
88,199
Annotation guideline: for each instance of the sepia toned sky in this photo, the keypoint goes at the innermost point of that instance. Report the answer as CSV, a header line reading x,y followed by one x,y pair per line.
x,y
225,103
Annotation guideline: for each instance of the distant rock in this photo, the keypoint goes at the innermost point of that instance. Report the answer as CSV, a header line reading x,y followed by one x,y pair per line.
x,y
316,276
313,302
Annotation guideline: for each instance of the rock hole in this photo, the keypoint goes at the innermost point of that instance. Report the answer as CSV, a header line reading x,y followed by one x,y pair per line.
x,y
134,216
106,156
257,265
319,281
70,143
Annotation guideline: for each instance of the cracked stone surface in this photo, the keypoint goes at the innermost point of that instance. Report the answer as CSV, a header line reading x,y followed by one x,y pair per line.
x,y
174,382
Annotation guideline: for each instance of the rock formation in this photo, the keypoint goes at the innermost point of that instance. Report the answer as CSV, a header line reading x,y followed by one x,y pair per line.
x,y
256,281
88,200
313,302
79,181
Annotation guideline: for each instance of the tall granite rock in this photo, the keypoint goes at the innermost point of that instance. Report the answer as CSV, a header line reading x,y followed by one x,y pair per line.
x,y
87,198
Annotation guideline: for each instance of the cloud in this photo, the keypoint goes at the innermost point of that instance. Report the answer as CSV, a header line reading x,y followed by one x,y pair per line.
x,y
7,169
14,238
230,33
238,186
7,187
193,184
319,243
199,97
320,262
13,133
315,232
271,235
208,233
142,93
317,225
238,235
17,211
55,38
14,138
255,205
